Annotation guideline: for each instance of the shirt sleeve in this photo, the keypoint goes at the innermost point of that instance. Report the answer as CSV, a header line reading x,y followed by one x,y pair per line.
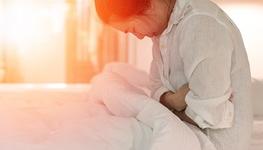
x,y
156,86
206,49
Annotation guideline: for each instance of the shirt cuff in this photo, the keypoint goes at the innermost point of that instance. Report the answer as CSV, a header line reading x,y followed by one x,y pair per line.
x,y
159,92
215,113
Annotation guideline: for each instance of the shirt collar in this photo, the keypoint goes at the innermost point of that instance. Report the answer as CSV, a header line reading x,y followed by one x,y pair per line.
x,y
177,14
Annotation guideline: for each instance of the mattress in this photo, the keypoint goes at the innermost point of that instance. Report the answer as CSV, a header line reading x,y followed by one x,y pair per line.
x,y
257,136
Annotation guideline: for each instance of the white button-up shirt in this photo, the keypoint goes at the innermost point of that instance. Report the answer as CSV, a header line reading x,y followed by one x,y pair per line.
x,y
203,47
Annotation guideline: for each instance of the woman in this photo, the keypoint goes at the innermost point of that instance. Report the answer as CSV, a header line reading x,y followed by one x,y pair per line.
x,y
200,68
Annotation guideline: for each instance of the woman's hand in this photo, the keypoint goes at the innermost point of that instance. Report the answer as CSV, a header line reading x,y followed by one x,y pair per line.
x,y
175,100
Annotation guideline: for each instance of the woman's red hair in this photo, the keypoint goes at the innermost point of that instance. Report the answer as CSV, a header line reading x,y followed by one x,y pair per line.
x,y
122,9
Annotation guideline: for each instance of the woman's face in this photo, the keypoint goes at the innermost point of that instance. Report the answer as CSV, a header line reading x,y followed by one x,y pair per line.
x,y
152,23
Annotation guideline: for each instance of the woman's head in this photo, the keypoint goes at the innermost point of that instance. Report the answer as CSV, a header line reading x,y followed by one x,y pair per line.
x,y
139,17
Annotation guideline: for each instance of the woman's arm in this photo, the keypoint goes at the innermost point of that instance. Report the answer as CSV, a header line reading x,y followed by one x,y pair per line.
x,y
206,48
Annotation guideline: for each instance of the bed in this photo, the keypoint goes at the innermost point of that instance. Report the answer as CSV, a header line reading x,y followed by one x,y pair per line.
x,y
58,94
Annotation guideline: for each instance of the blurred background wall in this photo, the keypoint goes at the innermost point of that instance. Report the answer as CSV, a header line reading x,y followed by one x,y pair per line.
x,y
33,40
55,41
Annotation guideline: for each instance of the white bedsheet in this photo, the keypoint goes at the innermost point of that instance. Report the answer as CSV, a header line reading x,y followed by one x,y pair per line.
x,y
117,116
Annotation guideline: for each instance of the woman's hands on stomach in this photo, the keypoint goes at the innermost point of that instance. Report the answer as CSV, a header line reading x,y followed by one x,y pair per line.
x,y
175,100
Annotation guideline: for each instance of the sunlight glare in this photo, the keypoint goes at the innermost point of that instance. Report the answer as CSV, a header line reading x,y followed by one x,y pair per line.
x,y
27,22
